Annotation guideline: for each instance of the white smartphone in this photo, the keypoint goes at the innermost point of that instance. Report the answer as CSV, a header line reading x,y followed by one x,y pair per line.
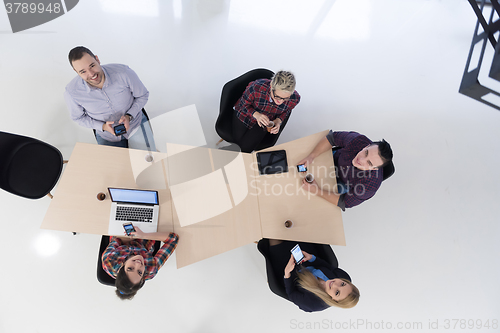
x,y
297,254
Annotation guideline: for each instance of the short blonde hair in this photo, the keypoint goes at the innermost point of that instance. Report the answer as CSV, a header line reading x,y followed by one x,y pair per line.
x,y
283,80
310,283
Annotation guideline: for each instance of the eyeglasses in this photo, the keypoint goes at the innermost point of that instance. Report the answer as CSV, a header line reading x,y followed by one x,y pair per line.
x,y
277,98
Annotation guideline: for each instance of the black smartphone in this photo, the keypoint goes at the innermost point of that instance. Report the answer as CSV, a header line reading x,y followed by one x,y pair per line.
x,y
129,228
301,168
297,254
120,129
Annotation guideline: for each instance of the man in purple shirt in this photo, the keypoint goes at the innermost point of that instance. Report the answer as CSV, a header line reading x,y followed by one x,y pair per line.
x,y
358,166
102,97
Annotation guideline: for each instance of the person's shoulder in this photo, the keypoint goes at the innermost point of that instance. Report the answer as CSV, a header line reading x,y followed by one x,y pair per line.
x,y
360,139
261,84
114,68
75,84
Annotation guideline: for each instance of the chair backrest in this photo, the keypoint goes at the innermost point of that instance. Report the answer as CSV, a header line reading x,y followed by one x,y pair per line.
x,y
104,277
323,251
231,92
29,167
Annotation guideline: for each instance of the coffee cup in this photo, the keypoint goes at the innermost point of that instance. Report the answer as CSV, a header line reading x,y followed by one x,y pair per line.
x,y
270,126
101,196
288,224
309,178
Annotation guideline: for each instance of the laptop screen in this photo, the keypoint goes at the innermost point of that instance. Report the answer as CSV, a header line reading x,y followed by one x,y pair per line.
x,y
133,196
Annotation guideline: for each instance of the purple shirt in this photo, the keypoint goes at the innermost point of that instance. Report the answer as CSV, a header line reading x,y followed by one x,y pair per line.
x,y
362,184
122,93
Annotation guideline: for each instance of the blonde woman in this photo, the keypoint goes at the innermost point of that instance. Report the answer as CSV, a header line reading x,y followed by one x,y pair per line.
x,y
316,284
263,110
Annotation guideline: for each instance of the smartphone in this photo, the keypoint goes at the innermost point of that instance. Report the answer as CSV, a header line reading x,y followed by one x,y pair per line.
x,y
297,254
129,228
301,168
120,129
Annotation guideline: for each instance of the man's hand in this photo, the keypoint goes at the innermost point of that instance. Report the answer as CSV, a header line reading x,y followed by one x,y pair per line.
x,y
262,119
108,127
276,128
125,120
311,187
307,161
289,267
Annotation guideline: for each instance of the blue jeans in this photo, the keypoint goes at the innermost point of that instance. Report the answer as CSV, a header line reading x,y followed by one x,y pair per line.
x,y
142,139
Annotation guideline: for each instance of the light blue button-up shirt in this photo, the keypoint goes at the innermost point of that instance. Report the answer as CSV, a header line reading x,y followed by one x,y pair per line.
x,y
122,92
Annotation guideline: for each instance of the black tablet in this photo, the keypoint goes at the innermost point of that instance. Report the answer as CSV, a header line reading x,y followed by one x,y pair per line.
x,y
271,162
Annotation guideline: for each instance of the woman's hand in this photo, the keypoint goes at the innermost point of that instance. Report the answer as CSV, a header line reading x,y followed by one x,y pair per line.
x,y
262,119
289,267
138,233
276,128
307,256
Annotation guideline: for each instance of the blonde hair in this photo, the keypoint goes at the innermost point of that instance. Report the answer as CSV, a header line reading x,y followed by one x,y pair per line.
x,y
310,283
283,80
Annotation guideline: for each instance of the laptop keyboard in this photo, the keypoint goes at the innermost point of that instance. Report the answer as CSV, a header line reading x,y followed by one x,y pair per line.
x,y
135,214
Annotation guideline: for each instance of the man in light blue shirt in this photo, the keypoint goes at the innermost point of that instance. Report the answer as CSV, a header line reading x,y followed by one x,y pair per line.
x,y
101,97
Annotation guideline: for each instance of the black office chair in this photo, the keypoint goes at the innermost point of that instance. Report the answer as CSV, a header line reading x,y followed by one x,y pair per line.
x,y
143,111
231,92
104,277
387,170
276,284
29,167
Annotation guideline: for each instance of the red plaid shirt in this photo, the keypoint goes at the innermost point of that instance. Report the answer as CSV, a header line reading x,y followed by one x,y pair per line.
x,y
257,97
116,254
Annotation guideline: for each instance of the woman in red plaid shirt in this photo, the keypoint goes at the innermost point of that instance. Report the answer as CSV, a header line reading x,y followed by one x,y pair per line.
x,y
268,104
131,261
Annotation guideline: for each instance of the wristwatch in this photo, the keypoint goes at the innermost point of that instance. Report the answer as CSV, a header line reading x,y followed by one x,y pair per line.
x,y
128,114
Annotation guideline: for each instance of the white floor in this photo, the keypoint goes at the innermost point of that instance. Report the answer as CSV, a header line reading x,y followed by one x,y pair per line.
x,y
424,250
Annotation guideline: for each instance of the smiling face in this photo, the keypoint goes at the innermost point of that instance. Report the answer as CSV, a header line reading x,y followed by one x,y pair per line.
x,y
280,96
368,158
90,70
134,268
337,289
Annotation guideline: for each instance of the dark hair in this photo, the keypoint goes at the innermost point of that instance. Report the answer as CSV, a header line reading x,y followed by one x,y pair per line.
x,y
384,151
77,53
124,288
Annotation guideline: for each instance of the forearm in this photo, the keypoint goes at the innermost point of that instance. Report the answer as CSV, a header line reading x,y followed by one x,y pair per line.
x,y
80,116
320,148
161,236
329,196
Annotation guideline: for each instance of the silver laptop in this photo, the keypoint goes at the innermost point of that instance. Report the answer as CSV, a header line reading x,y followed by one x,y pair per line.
x,y
139,207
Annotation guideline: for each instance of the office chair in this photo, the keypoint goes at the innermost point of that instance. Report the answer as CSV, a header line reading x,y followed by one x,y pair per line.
x,y
143,111
29,167
276,284
104,277
387,170
231,92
